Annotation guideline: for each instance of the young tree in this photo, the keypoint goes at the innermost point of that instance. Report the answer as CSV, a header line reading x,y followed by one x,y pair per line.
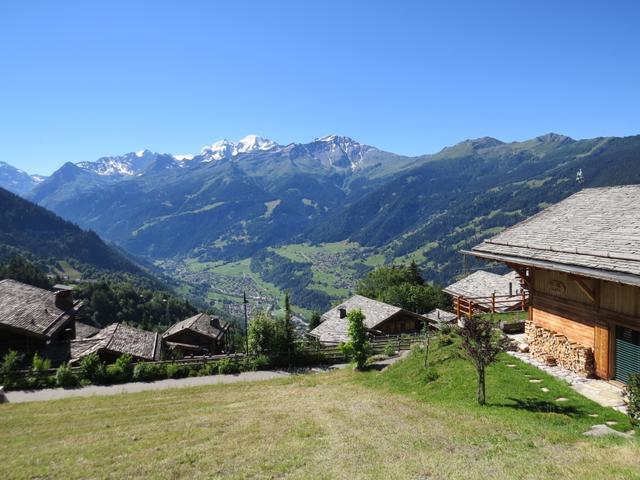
x,y
483,343
264,334
357,347
314,321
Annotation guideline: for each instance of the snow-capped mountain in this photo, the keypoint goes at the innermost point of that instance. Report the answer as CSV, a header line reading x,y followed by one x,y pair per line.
x,y
16,180
340,151
128,164
226,149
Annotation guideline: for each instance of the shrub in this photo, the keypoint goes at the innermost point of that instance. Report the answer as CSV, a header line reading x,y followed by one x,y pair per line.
x,y
444,340
175,370
446,329
208,369
39,372
65,377
389,350
121,370
633,389
9,367
92,369
146,372
429,375
226,365
253,363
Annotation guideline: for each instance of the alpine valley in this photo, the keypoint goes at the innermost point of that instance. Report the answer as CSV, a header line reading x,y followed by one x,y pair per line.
x,y
313,218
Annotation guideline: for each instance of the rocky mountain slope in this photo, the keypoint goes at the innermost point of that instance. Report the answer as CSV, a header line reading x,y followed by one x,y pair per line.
x,y
237,206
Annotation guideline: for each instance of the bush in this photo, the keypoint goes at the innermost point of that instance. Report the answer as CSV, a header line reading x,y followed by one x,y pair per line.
x,y
446,329
39,372
429,375
9,367
444,340
175,370
147,372
389,350
65,377
208,369
226,365
253,363
121,370
633,389
92,369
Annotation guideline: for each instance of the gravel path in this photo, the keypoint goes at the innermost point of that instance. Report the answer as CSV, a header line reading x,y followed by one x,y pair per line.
x,y
21,396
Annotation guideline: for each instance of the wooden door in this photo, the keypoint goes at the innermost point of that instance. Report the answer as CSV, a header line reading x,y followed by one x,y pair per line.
x,y
601,350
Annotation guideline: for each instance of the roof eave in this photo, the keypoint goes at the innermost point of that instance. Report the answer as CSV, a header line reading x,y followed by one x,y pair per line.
x,y
608,275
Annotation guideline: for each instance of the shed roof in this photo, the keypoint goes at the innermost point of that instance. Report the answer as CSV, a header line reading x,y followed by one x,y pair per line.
x,y
119,339
334,329
84,330
31,310
441,316
595,232
201,323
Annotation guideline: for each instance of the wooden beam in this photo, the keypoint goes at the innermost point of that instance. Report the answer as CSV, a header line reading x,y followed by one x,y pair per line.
x,y
589,292
522,272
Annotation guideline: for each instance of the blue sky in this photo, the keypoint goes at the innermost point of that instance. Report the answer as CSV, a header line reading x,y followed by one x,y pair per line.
x,y
80,80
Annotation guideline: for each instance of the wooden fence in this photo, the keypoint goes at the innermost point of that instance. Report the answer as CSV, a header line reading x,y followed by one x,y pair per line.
x,y
325,353
468,307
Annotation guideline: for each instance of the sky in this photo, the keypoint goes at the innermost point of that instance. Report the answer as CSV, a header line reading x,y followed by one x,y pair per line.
x,y
81,80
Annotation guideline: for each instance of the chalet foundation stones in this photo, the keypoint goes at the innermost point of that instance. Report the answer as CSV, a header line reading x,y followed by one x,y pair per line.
x,y
553,348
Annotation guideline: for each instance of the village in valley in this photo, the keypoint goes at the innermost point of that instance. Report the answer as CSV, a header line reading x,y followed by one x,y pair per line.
x,y
451,293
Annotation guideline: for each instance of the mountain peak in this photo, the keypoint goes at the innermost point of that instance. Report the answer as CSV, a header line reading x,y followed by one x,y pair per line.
x,y
226,149
553,138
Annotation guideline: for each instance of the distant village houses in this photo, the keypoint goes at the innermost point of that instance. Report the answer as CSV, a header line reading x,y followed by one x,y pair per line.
x,y
198,335
35,320
380,319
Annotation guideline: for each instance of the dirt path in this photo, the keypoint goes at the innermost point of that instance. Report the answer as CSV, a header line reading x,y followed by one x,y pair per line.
x,y
57,393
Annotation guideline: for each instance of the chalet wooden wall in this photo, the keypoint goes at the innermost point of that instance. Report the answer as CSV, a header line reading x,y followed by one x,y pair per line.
x,y
585,310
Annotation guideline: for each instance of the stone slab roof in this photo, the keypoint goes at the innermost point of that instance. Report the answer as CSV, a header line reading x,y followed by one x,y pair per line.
x,y
201,323
595,232
31,310
118,338
483,284
441,316
333,329
84,330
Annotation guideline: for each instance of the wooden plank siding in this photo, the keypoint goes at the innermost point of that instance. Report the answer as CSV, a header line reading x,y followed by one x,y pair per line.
x,y
586,311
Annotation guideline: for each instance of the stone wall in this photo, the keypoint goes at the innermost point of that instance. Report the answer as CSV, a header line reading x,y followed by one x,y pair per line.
x,y
555,349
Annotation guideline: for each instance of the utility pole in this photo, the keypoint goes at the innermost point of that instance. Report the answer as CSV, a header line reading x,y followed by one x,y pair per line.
x,y
246,324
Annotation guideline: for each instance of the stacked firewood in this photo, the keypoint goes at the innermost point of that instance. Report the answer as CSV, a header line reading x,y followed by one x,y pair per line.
x,y
555,349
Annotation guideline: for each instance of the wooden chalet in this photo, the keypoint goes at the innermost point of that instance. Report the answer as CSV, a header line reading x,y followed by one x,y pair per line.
x,y
380,319
487,292
34,320
580,260
198,335
117,339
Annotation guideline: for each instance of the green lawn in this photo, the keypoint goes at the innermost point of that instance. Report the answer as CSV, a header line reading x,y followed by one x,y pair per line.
x,y
347,425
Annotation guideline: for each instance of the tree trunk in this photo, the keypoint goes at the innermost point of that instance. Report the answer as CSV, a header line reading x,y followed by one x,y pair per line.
x,y
426,349
481,391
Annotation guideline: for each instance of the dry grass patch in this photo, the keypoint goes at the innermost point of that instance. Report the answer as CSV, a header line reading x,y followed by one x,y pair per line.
x,y
327,426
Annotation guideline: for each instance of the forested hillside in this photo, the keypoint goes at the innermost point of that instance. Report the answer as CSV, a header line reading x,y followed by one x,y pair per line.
x,y
313,218
58,246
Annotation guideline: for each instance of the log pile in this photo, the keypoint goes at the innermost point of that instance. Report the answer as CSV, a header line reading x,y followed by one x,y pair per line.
x,y
554,348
